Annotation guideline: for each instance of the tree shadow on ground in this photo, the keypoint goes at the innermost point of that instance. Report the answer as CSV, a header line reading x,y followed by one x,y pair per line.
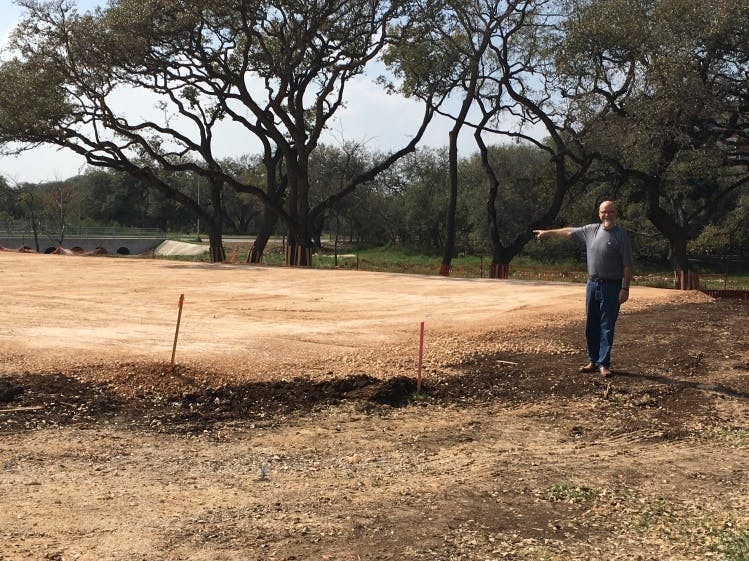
x,y
685,384
154,396
32,401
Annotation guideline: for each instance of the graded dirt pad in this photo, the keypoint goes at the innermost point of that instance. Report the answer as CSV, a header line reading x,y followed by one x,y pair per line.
x,y
290,427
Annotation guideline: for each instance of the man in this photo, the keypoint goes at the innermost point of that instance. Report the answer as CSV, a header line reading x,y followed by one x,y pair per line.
x,y
610,268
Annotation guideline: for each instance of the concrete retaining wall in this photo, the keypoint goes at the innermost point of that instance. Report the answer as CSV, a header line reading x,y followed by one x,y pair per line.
x,y
122,246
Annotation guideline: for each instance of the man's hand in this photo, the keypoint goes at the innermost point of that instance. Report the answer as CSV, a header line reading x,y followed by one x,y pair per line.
x,y
623,295
559,233
629,272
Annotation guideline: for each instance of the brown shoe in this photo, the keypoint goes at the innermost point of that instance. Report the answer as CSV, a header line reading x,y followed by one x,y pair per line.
x,y
605,372
590,367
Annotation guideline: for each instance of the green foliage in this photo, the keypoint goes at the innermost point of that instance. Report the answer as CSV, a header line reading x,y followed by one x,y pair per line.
x,y
655,513
672,75
569,493
737,437
429,53
418,201
523,194
727,233
27,116
734,545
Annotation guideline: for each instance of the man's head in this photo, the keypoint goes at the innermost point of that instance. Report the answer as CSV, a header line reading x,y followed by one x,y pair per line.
x,y
607,214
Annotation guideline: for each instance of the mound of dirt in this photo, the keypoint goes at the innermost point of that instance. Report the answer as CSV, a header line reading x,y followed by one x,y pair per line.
x,y
171,247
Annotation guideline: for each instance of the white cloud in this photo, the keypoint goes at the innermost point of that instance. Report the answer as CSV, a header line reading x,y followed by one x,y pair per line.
x,y
371,117
8,21
44,163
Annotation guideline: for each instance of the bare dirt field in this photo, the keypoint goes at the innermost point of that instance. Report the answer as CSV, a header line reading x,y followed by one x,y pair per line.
x,y
290,428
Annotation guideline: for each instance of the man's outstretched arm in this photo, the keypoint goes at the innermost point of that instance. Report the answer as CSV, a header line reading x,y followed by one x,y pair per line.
x,y
558,233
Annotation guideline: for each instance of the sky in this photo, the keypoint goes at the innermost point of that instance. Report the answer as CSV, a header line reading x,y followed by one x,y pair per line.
x,y
372,117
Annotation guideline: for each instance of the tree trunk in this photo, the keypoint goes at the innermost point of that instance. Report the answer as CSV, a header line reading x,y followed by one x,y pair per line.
x,y
216,223
35,229
678,253
300,222
684,277
677,234
270,219
452,205
276,191
215,242
317,228
686,280
298,254
501,255
499,271
335,242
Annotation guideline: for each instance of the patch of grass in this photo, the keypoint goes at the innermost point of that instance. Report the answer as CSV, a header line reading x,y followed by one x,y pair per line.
x,y
655,513
419,397
734,544
569,493
692,529
737,437
395,260
724,282
401,260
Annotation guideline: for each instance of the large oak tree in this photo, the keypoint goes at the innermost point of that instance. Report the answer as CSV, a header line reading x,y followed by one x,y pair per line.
x,y
494,57
276,70
675,76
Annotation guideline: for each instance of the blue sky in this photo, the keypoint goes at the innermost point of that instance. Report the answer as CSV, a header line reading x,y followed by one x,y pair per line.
x,y
378,120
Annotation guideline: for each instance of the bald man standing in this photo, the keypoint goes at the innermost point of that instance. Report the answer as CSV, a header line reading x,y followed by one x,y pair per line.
x,y
610,269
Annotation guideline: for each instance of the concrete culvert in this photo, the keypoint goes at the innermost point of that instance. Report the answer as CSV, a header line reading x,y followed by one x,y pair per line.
x,y
123,251
50,250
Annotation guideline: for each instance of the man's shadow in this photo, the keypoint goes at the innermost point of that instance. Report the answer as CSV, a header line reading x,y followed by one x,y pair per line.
x,y
665,380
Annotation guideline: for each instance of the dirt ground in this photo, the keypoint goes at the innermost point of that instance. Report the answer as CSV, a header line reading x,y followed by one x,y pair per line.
x,y
291,429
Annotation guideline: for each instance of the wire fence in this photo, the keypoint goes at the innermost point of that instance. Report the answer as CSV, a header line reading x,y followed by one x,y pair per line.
x,y
474,268
24,231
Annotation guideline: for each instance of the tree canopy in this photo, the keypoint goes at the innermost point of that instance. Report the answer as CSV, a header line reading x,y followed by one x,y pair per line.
x,y
645,99
674,75
276,70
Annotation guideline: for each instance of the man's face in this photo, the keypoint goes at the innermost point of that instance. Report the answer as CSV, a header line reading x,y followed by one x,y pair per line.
x,y
607,214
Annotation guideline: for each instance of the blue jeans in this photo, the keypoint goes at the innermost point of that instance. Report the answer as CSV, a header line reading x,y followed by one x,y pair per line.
x,y
601,310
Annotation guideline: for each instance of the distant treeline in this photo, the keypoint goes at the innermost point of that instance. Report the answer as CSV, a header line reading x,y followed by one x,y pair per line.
x,y
402,207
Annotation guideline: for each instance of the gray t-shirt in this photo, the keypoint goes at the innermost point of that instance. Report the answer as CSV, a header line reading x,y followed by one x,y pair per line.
x,y
608,251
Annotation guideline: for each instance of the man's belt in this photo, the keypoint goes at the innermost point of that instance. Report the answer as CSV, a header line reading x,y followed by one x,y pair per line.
x,y
599,280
